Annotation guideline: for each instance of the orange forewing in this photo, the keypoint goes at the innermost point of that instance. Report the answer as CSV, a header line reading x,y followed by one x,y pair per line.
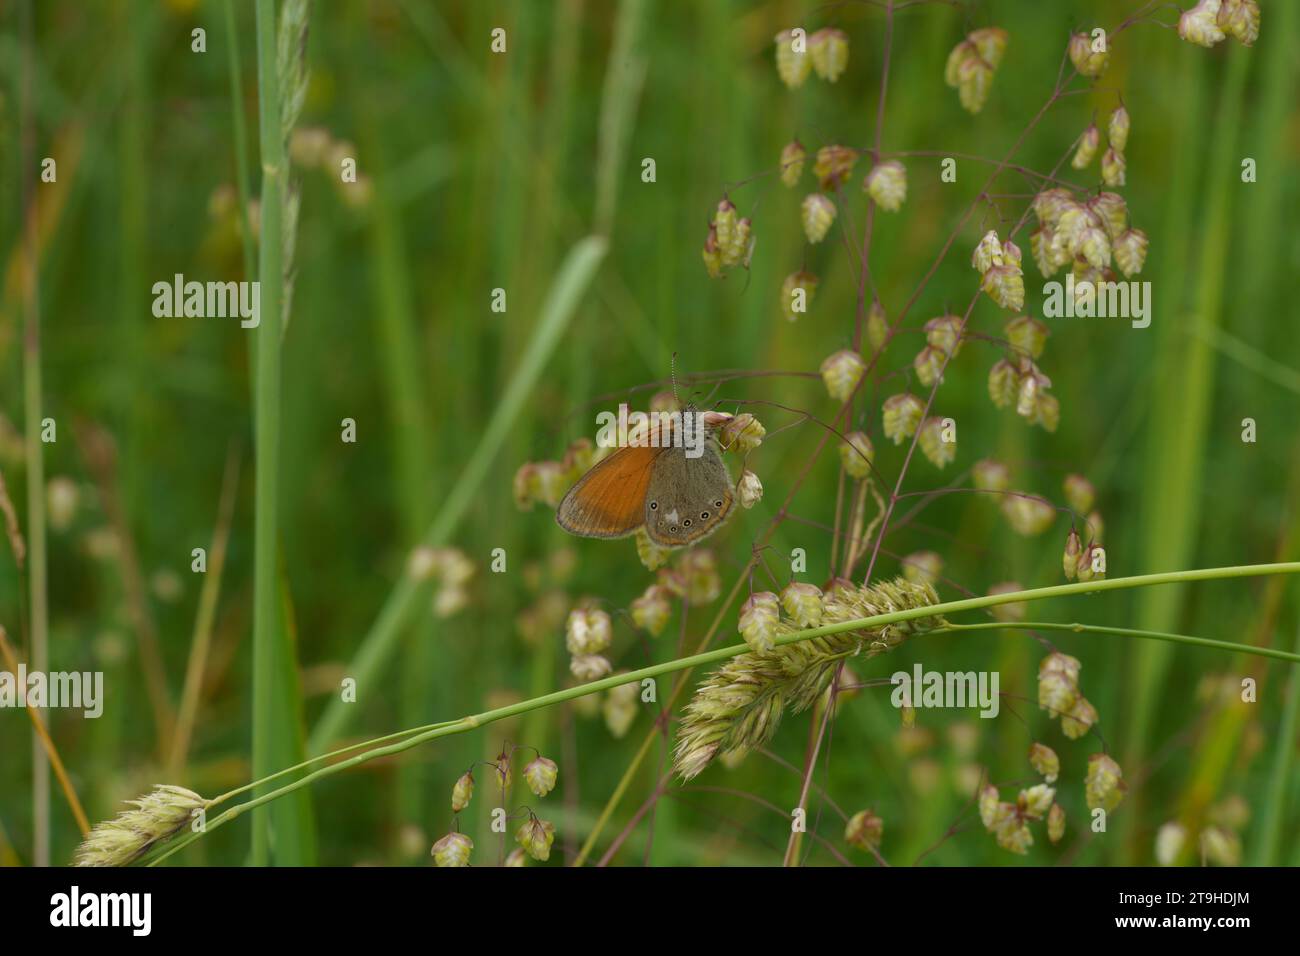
x,y
609,500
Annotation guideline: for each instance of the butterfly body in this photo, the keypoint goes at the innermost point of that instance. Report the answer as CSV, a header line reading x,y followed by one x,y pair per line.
x,y
679,494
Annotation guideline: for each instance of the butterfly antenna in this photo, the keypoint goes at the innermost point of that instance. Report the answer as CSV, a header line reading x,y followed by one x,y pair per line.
x,y
672,372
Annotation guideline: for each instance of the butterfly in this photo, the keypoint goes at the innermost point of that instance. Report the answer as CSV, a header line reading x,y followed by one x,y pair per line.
x,y
677,498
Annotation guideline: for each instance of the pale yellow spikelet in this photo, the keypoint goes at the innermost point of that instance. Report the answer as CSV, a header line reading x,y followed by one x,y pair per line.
x,y
462,792
793,64
803,603
1079,493
1113,211
937,441
1080,718
589,667
759,617
588,630
1095,247
1027,335
742,432
829,49
540,774
1027,515
1004,383
1113,165
1239,19
1047,412
737,708
151,820
1056,823
452,850
1170,839
887,185
902,415
833,165
991,475
619,708
1090,62
841,372
536,836
945,332
1117,128
1200,24
1044,760
877,327
797,293
1131,251
987,253
818,215
1087,149
857,454
1058,683
652,556
1104,783
793,156
652,609
1005,285
922,567
928,363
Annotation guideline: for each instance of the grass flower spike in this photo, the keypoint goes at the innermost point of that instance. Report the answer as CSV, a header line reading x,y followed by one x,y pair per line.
x,y
739,706
152,819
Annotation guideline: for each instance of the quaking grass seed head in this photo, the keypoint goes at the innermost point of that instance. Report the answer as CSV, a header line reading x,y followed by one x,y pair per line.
x,y
1088,143
540,774
749,490
901,416
453,850
1239,19
792,162
833,166
856,455
462,792
988,474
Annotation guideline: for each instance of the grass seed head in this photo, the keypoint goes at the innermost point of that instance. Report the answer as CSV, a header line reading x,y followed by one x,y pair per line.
x,y
818,215
793,156
829,49
864,831
739,706
1088,144
856,455
152,819
901,416
793,63
1239,19
452,850
462,792
540,774
1200,24
842,371
1044,760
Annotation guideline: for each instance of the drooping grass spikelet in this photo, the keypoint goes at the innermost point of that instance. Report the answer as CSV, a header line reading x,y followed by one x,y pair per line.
x,y
739,706
152,819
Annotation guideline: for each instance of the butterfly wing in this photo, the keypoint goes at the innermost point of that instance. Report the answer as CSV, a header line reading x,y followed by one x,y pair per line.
x,y
609,500
687,498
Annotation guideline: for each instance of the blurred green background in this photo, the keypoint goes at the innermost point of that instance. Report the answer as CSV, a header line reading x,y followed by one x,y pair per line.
x,y
482,171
